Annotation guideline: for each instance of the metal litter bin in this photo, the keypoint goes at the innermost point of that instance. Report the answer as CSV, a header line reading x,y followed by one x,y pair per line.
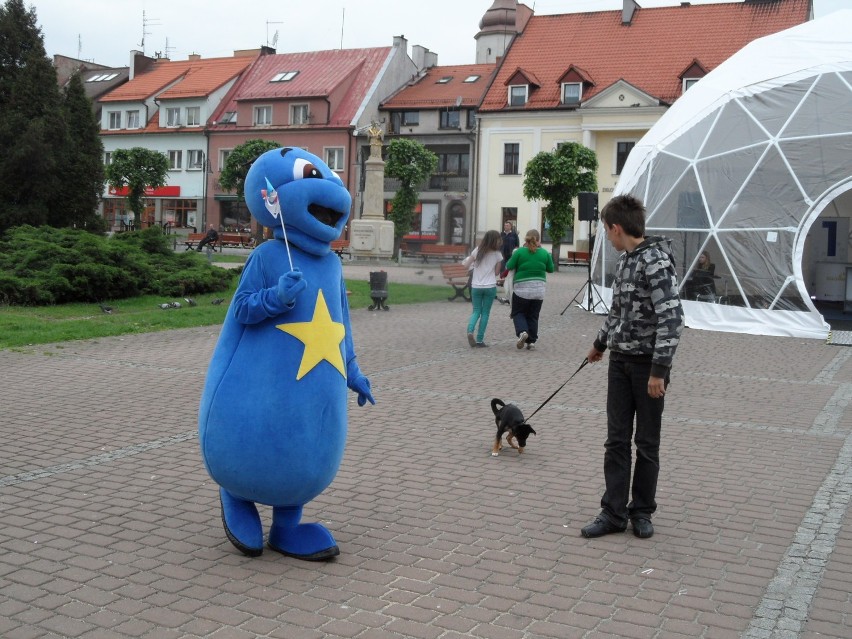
x,y
378,290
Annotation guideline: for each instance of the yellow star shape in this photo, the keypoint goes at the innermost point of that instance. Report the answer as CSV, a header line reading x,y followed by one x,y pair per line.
x,y
321,337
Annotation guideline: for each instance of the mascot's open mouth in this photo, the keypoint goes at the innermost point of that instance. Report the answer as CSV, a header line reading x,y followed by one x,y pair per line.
x,y
324,214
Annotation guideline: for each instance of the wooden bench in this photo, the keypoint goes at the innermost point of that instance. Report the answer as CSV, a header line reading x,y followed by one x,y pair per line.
x,y
574,258
244,240
193,239
340,247
457,276
454,251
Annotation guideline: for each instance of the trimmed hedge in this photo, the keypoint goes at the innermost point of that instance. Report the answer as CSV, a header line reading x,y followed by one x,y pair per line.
x,y
46,265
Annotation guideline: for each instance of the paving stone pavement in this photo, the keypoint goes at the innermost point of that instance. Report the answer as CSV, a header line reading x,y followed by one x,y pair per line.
x,y
111,527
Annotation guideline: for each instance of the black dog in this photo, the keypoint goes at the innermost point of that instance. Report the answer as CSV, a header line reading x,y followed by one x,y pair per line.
x,y
509,420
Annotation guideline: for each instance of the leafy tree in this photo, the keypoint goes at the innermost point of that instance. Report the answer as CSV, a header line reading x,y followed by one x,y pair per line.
x,y
411,163
233,176
137,169
32,129
82,169
557,177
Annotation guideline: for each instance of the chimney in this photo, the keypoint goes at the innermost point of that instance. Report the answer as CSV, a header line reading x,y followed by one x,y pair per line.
x,y
627,12
194,57
400,41
423,58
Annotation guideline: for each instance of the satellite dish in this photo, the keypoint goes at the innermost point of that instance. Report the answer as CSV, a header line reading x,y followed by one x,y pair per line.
x,y
275,39
458,101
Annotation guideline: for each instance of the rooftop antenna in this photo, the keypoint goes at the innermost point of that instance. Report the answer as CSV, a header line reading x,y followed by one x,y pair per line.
x,y
79,46
167,50
275,39
146,22
342,22
267,31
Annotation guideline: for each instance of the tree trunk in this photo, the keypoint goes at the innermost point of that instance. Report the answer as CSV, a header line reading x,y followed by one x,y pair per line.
x,y
554,251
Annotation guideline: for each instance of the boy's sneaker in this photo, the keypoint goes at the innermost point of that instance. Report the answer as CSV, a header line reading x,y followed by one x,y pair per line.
x,y
530,347
471,340
522,339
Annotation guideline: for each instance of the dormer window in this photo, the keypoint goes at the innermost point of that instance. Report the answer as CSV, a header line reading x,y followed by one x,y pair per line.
x,y
572,92
286,76
572,84
692,74
518,94
520,84
229,117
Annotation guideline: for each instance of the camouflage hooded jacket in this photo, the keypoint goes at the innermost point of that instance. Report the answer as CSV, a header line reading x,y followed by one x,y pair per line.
x,y
646,318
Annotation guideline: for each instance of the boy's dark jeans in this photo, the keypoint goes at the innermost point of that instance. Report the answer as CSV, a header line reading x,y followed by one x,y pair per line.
x,y
627,395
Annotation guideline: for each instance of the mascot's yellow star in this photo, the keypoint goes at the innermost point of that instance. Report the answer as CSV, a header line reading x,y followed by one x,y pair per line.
x,y
321,337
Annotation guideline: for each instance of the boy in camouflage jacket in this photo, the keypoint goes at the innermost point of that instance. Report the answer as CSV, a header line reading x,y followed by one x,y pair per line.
x,y
642,333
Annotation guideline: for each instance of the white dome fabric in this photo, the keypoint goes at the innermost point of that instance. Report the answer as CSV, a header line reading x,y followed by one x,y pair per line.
x,y
741,166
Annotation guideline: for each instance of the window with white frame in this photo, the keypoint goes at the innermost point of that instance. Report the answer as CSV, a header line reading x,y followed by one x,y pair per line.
x,y
133,119
175,160
173,116
571,92
334,158
195,160
228,117
299,114
518,95
193,116
511,158
622,150
114,120
223,158
262,115
689,82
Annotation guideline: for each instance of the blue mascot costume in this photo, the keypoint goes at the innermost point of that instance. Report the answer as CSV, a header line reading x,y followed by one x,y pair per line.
x,y
272,421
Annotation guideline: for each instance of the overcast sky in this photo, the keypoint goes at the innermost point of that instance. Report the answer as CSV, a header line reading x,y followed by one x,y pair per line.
x,y
105,31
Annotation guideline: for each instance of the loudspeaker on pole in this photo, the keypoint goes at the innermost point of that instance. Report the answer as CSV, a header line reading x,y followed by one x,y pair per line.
x,y
587,207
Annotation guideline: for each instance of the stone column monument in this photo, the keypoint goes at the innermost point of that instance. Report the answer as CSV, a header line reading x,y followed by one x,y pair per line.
x,y
372,234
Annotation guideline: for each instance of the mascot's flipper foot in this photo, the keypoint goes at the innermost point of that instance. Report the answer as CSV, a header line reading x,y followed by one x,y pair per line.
x,y
242,524
311,542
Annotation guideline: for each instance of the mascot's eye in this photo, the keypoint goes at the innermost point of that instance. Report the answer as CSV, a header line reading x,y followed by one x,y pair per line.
x,y
303,169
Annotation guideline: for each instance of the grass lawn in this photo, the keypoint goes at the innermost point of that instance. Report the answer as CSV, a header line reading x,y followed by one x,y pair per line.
x,y
26,325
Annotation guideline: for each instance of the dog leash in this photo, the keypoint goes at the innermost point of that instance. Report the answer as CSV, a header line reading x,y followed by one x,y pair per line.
x,y
585,361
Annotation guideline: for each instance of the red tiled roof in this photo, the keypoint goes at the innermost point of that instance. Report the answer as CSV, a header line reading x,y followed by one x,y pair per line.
x,y
650,53
427,92
320,73
193,78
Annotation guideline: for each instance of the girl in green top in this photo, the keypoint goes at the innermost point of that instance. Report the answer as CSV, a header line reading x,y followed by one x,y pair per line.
x,y
531,264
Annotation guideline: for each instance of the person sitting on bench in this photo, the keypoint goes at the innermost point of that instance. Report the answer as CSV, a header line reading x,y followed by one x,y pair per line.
x,y
212,236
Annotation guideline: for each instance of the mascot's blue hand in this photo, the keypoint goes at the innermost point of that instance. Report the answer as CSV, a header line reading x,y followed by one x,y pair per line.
x,y
290,285
361,385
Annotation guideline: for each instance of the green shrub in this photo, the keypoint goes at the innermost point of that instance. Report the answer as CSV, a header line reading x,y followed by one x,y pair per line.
x,y
45,265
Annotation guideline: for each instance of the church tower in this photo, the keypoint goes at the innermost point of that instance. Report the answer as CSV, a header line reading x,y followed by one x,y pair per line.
x,y
500,24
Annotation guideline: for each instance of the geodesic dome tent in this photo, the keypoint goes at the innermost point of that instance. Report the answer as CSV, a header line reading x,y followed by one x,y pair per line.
x,y
743,166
